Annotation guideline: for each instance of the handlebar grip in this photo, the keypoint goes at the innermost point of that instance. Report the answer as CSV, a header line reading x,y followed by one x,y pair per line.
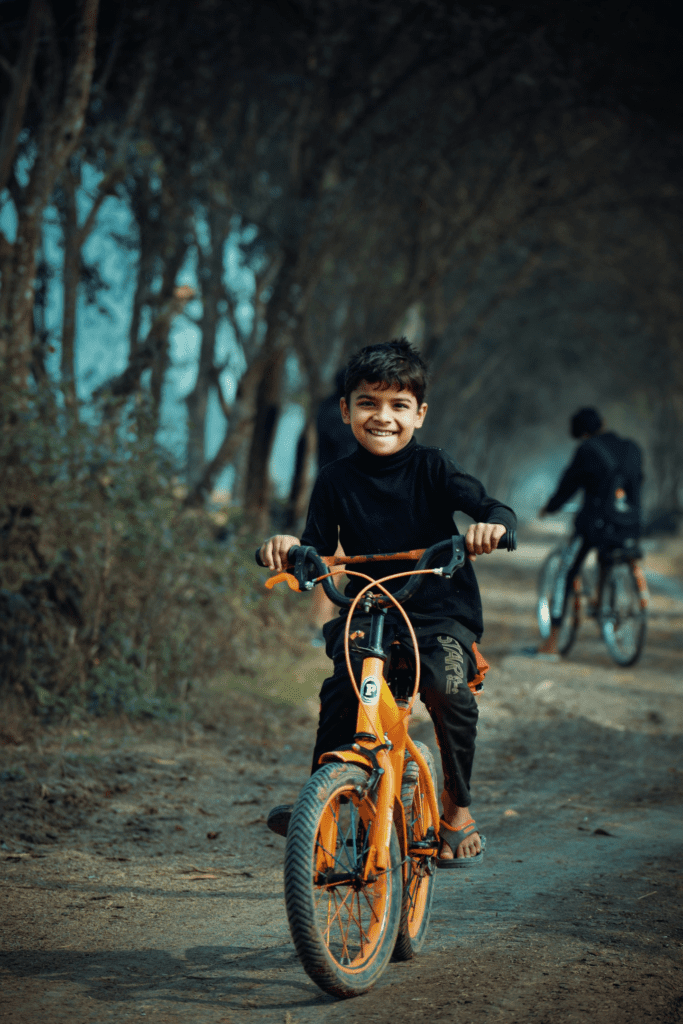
x,y
508,542
257,556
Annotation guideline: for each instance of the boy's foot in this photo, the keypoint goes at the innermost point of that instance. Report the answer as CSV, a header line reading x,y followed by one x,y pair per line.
x,y
457,818
549,646
278,819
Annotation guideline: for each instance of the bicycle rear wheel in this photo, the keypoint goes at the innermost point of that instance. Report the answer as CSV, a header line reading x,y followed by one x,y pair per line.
x,y
623,618
570,616
418,891
343,925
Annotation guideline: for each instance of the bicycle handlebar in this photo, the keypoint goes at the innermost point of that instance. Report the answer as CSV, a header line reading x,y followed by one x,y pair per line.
x,y
299,557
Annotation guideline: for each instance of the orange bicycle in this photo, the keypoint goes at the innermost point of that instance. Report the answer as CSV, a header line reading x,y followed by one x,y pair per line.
x,y
364,833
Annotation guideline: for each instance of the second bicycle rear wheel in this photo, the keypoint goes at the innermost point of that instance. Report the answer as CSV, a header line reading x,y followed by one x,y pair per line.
x,y
343,925
623,615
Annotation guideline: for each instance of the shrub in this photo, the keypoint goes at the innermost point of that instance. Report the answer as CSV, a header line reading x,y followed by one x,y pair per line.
x,y
112,595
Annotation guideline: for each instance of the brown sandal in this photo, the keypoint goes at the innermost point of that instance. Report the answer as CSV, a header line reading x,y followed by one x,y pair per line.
x,y
453,838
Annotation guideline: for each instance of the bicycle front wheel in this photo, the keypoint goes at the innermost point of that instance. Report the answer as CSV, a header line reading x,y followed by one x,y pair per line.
x,y
418,891
623,616
547,581
343,925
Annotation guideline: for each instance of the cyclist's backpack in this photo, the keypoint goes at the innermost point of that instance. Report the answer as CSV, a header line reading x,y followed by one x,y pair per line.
x,y
614,518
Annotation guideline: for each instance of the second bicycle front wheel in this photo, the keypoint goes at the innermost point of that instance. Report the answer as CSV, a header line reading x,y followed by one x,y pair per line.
x,y
343,925
623,615
547,582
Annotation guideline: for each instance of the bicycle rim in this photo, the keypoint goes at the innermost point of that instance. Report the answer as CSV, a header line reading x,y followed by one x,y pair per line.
x,y
570,618
343,926
418,891
546,580
623,620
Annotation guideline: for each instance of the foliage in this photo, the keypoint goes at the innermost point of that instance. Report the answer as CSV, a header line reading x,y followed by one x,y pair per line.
x,y
113,596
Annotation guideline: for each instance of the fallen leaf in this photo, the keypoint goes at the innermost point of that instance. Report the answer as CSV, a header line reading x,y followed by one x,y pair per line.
x,y
212,835
510,813
602,832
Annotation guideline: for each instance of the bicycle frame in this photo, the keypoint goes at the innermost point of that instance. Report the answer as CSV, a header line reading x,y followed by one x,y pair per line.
x,y
379,746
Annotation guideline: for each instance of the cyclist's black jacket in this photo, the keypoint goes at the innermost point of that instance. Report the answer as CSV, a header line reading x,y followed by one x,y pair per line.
x,y
400,502
592,469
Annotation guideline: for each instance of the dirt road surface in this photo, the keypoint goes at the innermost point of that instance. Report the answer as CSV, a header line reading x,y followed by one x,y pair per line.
x,y
139,883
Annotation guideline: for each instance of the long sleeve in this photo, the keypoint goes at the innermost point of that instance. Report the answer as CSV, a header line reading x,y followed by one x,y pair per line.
x,y
570,482
468,495
322,526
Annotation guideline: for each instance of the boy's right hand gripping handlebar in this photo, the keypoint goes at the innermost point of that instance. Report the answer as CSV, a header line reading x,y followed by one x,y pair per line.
x,y
301,558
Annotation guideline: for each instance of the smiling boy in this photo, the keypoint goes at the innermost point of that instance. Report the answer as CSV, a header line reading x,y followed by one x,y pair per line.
x,y
393,494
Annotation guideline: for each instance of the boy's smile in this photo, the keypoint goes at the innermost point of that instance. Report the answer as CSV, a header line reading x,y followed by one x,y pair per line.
x,y
383,419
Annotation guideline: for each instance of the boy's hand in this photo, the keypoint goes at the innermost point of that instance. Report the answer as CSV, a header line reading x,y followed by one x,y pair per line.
x,y
274,551
482,538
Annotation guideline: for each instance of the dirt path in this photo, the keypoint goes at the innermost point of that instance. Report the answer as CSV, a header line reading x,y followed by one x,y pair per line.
x,y
139,882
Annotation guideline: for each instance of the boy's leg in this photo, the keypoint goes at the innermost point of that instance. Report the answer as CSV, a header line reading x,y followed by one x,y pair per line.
x,y
338,714
446,665
338,702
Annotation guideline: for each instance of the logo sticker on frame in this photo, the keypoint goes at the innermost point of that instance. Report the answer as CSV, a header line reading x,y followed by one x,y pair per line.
x,y
369,690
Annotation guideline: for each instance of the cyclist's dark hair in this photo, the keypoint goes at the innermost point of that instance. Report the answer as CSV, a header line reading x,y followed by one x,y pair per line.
x,y
393,364
585,421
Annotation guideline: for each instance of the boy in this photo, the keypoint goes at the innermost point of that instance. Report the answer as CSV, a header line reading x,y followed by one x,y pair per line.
x,y
392,494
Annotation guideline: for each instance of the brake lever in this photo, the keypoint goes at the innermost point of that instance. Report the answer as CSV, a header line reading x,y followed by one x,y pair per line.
x,y
457,559
300,568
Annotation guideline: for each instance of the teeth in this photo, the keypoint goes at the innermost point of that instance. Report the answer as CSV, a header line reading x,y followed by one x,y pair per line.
x,y
382,433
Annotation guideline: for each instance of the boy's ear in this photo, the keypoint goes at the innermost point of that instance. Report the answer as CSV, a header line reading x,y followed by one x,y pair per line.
x,y
421,413
346,414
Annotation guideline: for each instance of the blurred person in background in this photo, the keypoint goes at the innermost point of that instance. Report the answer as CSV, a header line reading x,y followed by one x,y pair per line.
x,y
608,469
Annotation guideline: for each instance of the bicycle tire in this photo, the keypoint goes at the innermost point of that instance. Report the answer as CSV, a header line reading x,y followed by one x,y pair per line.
x,y
570,618
343,926
418,891
623,619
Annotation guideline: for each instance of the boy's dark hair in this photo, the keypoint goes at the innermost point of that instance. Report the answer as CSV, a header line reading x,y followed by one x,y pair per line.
x,y
393,364
585,421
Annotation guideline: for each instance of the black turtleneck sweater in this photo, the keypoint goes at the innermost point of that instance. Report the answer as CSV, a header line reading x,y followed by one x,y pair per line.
x,y
376,503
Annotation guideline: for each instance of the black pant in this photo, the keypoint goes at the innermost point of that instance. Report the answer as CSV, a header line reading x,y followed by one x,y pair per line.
x,y
573,558
446,665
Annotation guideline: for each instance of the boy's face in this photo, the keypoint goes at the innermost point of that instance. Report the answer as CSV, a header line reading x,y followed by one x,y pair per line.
x,y
382,419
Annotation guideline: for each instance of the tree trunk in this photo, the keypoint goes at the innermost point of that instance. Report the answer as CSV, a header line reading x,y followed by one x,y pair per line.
x,y
71,275
282,321
58,138
210,272
22,76
258,487
300,489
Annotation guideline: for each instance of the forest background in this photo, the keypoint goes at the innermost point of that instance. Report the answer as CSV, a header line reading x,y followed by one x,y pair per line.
x,y
205,207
